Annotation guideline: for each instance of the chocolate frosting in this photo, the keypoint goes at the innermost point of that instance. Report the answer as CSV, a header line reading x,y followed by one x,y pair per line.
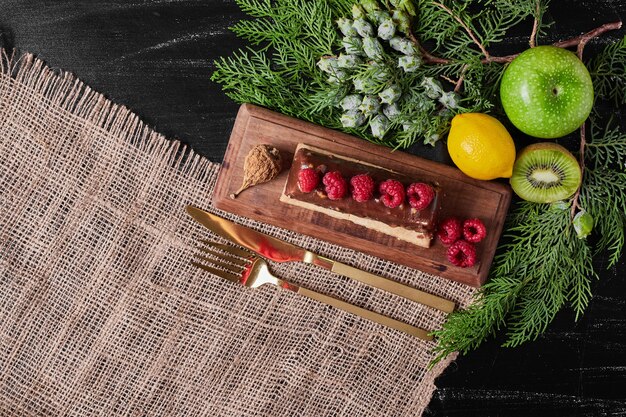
x,y
403,215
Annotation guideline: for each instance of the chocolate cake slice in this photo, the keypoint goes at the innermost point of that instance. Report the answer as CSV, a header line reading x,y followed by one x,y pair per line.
x,y
403,222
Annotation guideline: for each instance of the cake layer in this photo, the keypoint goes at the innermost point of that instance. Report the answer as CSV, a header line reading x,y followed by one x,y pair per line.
x,y
402,222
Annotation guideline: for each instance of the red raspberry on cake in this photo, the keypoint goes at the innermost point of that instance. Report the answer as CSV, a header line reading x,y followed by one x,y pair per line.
x,y
335,185
391,193
420,195
462,254
362,186
474,230
308,179
450,230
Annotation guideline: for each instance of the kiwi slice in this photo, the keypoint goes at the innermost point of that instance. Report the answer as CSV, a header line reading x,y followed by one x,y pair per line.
x,y
545,173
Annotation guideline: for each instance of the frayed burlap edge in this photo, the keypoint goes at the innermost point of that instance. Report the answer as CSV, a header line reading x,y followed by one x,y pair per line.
x,y
67,93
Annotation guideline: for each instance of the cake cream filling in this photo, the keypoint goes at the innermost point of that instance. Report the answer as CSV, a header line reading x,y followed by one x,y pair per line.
x,y
421,238
407,235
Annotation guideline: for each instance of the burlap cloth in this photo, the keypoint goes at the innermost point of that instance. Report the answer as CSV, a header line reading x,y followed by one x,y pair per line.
x,y
101,312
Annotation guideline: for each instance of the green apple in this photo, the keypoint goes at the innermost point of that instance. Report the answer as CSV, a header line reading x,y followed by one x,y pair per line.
x,y
546,92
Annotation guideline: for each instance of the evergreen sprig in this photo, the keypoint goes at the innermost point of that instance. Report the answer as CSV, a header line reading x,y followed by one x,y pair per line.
x,y
541,265
280,73
489,21
533,276
287,37
608,70
607,148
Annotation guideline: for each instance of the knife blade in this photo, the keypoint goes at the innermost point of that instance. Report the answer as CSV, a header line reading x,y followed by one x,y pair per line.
x,y
280,251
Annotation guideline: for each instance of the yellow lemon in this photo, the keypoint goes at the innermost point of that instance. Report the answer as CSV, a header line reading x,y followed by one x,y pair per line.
x,y
481,147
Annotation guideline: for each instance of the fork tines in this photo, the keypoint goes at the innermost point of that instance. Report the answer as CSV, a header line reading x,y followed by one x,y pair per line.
x,y
242,253
226,262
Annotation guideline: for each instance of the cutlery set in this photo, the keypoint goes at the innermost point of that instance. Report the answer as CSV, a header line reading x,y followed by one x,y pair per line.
x,y
245,265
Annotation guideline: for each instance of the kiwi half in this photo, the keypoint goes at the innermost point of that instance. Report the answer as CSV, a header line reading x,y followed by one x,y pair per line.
x,y
545,173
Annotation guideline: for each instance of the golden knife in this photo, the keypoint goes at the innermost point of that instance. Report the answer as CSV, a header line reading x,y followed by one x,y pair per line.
x,y
280,251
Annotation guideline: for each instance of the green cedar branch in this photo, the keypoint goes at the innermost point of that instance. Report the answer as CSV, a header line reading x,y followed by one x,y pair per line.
x,y
542,265
469,31
579,51
608,71
578,41
533,34
540,244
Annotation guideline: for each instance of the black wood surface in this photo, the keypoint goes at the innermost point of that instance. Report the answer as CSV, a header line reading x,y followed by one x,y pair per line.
x,y
156,58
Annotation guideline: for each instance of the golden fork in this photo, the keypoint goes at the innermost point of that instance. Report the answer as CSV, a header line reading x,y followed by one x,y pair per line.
x,y
245,268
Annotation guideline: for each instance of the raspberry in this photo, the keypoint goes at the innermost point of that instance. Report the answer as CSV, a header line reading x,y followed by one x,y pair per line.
x,y
308,179
336,185
420,195
450,230
462,254
362,186
392,193
474,230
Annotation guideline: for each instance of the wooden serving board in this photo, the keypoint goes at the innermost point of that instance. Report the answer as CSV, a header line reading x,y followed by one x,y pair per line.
x,y
463,196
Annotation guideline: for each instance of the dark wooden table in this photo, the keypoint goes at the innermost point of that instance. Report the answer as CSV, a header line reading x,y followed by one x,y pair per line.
x,y
155,56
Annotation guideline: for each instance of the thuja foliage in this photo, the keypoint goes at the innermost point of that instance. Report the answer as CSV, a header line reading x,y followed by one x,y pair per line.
x,y
608,70
278,70
305,60
289,37
534,275
542,265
